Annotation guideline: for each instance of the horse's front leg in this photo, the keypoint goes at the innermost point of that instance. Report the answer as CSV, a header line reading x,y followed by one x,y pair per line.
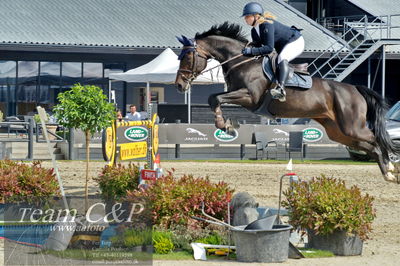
x,y
240,97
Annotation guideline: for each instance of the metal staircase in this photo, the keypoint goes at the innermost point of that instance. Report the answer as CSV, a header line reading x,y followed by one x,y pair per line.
x,y
359,39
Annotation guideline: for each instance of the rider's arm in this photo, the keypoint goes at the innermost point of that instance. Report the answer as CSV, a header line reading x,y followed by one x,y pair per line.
x,y
267,35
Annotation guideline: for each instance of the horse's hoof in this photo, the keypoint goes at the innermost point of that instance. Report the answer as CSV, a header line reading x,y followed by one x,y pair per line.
x,y
390,177
220,123
230,131
235,124
391,167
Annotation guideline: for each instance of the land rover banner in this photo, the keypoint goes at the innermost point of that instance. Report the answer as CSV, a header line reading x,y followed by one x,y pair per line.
x,y
209,134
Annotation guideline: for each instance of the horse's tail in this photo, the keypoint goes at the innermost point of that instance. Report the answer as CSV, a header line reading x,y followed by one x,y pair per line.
x,y
377,108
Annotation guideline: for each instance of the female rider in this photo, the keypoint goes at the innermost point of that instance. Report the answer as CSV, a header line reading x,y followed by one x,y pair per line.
x,y
268,34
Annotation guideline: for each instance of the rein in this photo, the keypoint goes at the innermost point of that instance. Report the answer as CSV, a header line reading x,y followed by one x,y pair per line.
x,y
193,74
240,63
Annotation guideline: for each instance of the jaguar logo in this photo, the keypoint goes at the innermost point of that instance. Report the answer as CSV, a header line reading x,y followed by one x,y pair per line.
x,y
279,131
195,131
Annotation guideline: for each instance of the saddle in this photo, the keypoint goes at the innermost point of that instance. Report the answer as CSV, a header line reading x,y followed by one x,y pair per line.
x,y
298,78
297,68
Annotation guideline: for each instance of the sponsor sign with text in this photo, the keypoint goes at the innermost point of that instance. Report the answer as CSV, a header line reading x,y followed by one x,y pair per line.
x,y
312,134
136,133
133,150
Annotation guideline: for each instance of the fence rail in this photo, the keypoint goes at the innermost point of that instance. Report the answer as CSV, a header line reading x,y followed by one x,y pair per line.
x,y
31,132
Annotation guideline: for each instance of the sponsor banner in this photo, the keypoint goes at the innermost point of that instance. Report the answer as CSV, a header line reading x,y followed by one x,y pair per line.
x,y
315,134
312,134
133,150
203,134
208,134
221,135
136,133
132,134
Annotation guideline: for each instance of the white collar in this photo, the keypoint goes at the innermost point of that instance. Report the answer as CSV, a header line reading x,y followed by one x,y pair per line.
x,y
257,28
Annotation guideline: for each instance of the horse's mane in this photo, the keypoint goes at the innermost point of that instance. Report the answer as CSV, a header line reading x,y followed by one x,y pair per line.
x,y
226,29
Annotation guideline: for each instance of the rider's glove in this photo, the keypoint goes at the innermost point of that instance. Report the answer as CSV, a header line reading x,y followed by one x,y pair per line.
x,y
247,51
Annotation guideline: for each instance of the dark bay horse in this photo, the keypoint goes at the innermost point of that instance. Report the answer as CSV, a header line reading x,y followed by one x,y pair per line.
x,y
344,110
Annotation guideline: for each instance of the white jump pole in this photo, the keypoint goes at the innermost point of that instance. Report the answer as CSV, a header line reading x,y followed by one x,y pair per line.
x,y
43,117
147,96
109,90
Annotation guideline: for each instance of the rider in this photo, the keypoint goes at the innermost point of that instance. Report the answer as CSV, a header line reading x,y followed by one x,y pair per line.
x,y
267,34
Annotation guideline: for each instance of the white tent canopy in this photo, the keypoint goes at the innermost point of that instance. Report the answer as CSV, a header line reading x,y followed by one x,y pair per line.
x,y
163,68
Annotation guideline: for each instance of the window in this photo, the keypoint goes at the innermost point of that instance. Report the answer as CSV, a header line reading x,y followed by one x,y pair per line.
x,y
8,75
71,73
50,78
27,90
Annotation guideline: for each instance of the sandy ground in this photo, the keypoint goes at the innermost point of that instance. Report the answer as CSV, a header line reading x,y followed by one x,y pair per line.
x,y
262,181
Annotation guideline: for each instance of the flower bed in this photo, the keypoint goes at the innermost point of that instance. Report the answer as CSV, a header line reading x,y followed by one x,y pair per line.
x,y
21,182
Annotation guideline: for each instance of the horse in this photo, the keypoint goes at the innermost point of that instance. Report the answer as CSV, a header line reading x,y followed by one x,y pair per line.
x,y
351,115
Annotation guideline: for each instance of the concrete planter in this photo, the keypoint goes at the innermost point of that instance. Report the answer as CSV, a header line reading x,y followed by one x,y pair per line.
x,y
262,245
338,242
53,130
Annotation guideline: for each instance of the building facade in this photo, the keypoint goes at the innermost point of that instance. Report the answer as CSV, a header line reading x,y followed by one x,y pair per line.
x,y
48,46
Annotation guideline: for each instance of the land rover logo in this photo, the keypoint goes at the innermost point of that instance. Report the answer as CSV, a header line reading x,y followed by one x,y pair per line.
x,y
136,133
312,134
225,137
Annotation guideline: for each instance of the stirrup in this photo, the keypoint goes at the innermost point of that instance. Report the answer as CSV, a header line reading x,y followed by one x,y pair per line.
x,y
278,93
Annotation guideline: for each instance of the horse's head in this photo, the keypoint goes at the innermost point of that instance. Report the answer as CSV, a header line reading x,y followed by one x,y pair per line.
x,y
193,60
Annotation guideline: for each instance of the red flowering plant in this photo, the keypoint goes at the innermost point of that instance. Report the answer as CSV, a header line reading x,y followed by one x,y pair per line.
x,y
115,181
173,201
21,182
325,205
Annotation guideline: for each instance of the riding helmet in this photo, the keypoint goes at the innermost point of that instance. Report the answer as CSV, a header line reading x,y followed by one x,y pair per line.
x,y
252,8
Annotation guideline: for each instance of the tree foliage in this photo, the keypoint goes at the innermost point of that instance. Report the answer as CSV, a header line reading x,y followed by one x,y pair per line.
x,y
85,108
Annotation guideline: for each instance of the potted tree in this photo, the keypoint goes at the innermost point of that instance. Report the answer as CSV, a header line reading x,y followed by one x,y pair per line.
x,y
85,108
336,218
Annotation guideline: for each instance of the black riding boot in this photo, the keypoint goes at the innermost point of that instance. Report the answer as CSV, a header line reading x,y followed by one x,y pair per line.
x,y
283,72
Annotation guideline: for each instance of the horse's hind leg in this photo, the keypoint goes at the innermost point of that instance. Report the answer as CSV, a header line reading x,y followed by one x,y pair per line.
x,y
360,142
352,122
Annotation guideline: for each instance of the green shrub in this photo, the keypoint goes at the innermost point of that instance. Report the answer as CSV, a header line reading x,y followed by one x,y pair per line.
x,y
325,205
36,118
162,242
213,239
115,181
134,237
174,200
21,182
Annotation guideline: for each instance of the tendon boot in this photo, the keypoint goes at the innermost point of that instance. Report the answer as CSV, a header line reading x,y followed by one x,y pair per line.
x,y
278,92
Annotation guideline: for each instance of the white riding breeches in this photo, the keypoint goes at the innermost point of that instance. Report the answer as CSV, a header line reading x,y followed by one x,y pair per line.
x,y
292,50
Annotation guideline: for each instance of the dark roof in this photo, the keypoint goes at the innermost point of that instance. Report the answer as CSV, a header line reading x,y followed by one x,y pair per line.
x,y
133,23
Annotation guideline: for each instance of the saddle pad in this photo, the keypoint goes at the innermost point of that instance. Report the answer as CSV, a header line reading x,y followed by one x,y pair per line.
x,y
298,81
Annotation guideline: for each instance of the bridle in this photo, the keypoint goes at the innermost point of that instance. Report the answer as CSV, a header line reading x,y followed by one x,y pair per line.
x,y
192,72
